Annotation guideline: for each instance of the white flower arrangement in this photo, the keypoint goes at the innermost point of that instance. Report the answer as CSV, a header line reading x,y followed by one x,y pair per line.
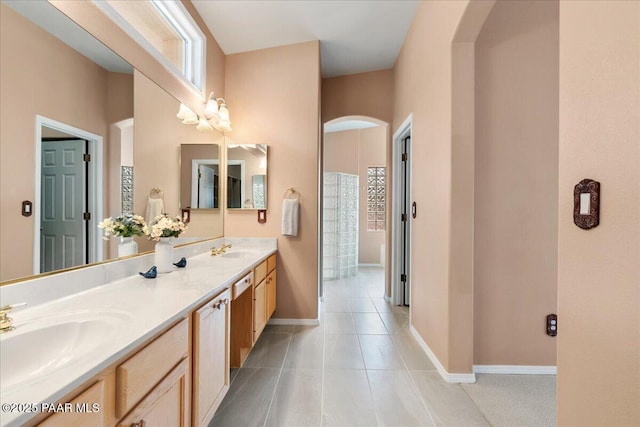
x,y
127,225
164,226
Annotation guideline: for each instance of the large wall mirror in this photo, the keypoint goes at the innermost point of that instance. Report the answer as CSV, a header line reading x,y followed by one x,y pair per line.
x,y
247,176
82,132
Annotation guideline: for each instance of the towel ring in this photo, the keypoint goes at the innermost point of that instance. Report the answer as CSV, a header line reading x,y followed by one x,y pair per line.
x,y
156,193
291,193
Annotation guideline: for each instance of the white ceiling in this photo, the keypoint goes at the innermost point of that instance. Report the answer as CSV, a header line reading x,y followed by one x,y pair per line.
x,y
355,36
348,125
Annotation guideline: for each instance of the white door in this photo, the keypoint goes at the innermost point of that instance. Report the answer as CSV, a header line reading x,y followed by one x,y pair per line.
x,y
62,205
206,187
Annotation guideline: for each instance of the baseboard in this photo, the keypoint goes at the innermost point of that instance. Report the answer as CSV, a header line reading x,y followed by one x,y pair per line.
x,y
370,265
515,369
448,377
302,322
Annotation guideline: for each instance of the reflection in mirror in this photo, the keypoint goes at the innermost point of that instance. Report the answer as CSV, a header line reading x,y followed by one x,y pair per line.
x,y
199,176
63,94
159,136
247,176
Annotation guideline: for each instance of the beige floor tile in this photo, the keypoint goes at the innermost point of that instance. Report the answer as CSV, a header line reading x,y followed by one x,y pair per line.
x,y
278,329
448,404
362,305
336,305
369,323
342,352
297,401
385,307
522,400
252,388
347,399
306,349
414,357
339,323
396,401
379,352
396,323
269,351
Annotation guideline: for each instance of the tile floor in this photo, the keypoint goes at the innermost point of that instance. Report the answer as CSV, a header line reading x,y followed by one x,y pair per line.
x,y
362,367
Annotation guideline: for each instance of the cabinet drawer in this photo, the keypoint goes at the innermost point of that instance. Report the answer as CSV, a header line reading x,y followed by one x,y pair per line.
x,y
138,375
260,272
271,263
242,285
88,410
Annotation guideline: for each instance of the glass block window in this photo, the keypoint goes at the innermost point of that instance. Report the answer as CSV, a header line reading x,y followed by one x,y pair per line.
x,y
376,198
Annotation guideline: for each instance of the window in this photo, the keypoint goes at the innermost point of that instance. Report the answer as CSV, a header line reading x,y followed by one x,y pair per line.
x,y
376,198
164,29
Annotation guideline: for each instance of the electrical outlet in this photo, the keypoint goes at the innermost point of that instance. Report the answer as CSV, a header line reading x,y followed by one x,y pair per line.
x,y
552,325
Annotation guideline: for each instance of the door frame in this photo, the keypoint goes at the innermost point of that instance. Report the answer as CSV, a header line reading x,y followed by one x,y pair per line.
x,y
404,130
94,178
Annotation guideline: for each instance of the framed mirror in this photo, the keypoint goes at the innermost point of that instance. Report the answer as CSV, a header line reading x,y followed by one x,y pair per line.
x,y
199,176
247,176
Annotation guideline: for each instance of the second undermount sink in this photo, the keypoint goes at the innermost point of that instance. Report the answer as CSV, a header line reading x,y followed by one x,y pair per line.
x,y
39,347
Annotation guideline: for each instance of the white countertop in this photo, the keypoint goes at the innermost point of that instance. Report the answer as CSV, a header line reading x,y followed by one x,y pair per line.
x,y
140,308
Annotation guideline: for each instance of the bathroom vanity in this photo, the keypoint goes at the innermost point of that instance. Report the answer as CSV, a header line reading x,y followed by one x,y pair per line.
x,y
135,351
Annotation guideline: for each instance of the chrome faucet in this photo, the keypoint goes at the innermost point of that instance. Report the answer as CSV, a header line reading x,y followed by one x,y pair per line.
x,y
222,249
6,322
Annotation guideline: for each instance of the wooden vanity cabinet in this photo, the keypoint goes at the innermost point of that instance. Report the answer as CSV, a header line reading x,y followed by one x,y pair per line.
x,y
259,309
167,404
92,414
211,339
271,285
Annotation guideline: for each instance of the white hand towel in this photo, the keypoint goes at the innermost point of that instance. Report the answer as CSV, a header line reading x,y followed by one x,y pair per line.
x,y
290,217
155,207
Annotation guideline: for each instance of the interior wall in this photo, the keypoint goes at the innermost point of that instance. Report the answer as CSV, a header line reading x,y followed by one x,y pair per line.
x,y
287,79
362,94
516,184
423,88
40,75
156,152
598,282
353,151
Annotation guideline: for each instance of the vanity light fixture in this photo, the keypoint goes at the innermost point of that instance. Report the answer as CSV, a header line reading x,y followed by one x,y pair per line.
x,y
217,113
211,107
187,116
203,125
224,124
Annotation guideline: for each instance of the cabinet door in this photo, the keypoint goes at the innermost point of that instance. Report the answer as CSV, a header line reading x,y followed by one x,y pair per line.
x,y
210,357
259,309
271,294
167,404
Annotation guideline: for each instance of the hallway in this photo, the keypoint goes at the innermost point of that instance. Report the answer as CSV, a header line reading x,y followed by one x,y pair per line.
x,y
361,366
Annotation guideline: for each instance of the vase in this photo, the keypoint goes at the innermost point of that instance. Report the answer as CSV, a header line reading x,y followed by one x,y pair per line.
x,y
164,255
127,246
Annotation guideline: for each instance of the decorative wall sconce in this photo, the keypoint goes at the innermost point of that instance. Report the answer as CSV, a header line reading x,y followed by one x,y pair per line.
x,y
203,125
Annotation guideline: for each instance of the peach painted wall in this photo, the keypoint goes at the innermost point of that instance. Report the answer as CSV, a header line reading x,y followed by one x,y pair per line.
x,y
516,184
40,75
352,151
363,94
274,98
156,153
598,280
423,87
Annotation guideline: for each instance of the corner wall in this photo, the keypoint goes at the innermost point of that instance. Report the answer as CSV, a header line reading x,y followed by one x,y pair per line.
x,y
598,281
274,97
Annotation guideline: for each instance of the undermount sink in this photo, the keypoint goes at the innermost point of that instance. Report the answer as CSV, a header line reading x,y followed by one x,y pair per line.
x,y
39,347
233,254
